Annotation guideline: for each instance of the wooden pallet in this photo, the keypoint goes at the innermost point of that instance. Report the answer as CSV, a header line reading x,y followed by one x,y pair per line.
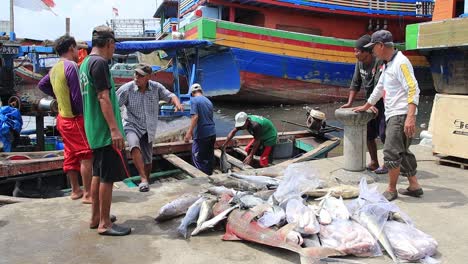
x,y
453,161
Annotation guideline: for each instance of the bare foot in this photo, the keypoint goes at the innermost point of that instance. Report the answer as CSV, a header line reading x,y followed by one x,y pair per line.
x,y
86,200
76,196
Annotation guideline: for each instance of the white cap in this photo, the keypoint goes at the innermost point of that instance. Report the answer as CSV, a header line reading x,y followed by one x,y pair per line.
x,y
195,87
241,117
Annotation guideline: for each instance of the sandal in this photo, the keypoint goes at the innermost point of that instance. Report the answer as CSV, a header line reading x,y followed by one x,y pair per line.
x,y
381,170
112,217
143,187
412,193
390,196
116,230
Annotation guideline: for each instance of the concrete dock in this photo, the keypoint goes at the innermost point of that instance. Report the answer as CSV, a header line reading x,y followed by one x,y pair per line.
x,y
56,230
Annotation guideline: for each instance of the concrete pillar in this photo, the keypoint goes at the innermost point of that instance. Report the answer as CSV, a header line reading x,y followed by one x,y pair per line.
x,y
355,137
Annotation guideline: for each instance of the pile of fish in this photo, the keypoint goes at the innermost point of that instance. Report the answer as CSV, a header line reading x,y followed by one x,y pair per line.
x,y
282,212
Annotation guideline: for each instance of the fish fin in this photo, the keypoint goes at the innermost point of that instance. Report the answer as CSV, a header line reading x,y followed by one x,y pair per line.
x,y
283,232
229,235
321,252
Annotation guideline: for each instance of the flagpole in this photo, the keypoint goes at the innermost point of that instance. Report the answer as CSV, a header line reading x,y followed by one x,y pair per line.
x,y
12,22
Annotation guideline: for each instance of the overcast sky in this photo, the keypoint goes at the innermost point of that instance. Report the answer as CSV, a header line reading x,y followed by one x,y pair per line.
x,y
84,16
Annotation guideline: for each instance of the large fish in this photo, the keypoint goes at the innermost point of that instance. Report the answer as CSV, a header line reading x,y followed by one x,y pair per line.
x,y
224,165
219,190
206,212
344,191
238,184
190,217
246,201
177,207
260,180
213,221
370,223
241,226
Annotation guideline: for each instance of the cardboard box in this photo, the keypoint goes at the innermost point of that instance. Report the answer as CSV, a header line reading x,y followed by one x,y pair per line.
x,y
449,125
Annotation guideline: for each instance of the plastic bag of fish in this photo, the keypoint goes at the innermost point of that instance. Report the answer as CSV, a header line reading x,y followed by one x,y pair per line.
x,y
350,238
408,242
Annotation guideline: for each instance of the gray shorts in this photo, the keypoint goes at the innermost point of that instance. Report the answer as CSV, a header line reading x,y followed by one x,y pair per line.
x,y
396,148
142,143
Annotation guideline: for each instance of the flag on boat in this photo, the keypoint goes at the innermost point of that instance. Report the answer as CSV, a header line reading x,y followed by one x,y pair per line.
x,y
35,5
115,11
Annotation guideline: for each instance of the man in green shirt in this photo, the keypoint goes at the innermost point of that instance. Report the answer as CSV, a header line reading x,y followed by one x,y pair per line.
x,y
104,130
263,131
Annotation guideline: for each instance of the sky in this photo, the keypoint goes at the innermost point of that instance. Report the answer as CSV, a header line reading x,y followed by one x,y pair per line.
x,y
84,16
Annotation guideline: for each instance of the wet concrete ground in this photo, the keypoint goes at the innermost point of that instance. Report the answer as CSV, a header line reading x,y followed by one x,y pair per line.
x,y
56,230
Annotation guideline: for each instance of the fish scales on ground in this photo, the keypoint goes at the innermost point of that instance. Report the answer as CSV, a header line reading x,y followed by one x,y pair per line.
x,y
190,217
176,207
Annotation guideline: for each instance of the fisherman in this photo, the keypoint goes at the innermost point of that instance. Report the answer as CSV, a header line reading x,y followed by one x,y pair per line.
x,y
140,98
400,90
104,130
202,129
62,83
263,131
366,74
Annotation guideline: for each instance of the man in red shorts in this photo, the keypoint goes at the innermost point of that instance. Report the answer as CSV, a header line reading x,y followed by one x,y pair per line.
x,y
62,82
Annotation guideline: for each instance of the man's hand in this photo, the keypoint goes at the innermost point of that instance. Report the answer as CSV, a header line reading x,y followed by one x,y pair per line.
x,y
248,159
347,105
117,139
178,107
374,110
410,126
361,108
188,137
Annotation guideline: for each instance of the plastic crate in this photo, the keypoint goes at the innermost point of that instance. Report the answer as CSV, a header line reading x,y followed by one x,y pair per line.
x,y
284,148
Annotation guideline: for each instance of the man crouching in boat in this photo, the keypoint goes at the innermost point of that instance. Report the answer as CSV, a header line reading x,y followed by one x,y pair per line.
x,y
263,131
141,100
202,129
366,74
62,82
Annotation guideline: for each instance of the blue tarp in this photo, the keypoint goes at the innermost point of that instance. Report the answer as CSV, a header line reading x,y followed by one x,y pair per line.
x,y
148,46
10,119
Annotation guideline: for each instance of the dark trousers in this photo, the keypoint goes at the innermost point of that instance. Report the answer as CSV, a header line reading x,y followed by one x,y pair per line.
x,y
203,153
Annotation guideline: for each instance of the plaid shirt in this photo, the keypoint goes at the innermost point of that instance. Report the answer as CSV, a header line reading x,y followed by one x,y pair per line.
x,y
142,109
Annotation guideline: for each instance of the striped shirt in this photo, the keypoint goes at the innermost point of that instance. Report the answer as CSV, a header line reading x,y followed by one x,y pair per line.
x,y
62,83
142,109
397,85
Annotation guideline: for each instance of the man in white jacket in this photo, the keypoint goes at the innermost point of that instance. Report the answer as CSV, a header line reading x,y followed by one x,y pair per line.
x,y
399,88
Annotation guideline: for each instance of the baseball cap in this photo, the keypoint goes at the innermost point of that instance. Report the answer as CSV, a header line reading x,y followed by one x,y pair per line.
x,y
240,118
196,87
103,32
143,69
362,41
382,36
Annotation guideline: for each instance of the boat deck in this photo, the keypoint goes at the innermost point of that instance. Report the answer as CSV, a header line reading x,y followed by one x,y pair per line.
x,y
31,233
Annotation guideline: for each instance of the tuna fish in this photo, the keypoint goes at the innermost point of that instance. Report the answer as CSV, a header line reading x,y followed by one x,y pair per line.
x,y
224,165
213,221
241,226
344,191
258,180
190,217
219,190
177,207
206,212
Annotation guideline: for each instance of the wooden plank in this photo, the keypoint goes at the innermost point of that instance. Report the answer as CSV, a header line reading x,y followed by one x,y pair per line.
x,y
233,160
185,166
453,161
313,153
243,152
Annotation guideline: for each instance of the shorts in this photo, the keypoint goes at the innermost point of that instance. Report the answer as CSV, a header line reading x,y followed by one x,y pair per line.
x,y
376,127
76,147
142,143
396,148
110,164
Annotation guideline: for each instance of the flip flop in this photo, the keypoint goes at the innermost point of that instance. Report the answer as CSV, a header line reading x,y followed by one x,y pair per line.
x,y
381,170
112,217
143,187
116,230
412,193
390,196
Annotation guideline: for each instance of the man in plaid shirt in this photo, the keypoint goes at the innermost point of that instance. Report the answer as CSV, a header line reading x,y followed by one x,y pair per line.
x,y
141,99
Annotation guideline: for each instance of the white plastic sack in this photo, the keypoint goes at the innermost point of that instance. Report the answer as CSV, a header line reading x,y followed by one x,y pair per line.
x,y
303,216
350,238
297,180
273,216
408,242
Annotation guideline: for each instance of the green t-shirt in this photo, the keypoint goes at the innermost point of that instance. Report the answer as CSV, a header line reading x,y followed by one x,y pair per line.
x,y
94,78
263,128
